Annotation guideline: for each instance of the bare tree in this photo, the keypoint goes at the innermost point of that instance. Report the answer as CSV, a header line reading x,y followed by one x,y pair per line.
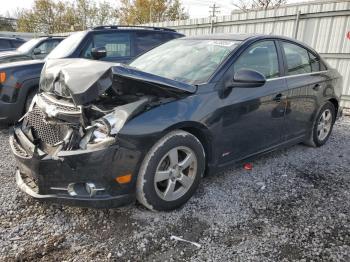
x,y
246,5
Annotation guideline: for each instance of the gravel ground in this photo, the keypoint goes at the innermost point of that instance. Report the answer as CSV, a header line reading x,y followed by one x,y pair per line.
x,y
293,206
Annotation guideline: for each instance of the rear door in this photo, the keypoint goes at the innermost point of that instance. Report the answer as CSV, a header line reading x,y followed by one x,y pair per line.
x,y
304,83
253,118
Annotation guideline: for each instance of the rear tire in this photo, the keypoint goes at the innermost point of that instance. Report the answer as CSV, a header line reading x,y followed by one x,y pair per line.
x,y
171,171
323,126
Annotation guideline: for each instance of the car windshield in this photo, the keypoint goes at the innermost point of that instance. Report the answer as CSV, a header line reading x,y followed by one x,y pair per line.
x,y
67,46
27,46
192,61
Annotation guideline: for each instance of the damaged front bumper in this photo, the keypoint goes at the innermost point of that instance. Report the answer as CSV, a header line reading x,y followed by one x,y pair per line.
x,y
81,177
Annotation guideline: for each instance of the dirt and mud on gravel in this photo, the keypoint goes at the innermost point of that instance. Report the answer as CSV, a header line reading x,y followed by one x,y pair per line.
x,y
293,205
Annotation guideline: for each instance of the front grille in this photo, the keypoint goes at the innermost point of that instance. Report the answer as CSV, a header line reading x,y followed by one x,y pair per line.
x,y
61,106
48,133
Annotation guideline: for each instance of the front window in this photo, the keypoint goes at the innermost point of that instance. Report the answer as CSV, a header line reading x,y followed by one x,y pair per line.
x,y
27,46
190,61
47,46
261,57
67,46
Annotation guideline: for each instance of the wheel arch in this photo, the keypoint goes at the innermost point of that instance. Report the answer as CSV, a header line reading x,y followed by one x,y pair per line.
x,y
336,106
28,87
201,132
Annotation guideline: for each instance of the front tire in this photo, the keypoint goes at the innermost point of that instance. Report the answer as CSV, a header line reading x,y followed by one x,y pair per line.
x,y
171,171
323,126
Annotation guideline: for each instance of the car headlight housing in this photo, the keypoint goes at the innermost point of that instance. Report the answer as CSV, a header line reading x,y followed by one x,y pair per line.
x,y
102,130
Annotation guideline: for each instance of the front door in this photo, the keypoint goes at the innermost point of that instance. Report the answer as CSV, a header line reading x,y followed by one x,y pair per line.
x,y
253,118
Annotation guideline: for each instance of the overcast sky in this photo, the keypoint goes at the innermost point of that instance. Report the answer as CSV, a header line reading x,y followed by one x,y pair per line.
x,y
196,8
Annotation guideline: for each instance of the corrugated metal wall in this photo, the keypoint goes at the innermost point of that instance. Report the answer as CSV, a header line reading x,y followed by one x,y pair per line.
x,y
322,25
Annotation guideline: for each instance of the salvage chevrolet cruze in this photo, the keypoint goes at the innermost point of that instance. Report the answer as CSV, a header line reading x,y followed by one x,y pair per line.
x,y
100,134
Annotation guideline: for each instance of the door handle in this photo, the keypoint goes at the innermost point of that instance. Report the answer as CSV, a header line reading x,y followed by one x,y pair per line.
x,y
316,87
278,98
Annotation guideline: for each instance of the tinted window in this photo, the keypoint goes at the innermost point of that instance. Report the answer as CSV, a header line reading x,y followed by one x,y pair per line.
x,y
148,40
17,43
315,63
4,44
47,46
261,57
116,44
297,59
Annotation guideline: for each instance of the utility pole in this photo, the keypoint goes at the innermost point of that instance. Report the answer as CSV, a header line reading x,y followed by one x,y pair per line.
x,y
213,10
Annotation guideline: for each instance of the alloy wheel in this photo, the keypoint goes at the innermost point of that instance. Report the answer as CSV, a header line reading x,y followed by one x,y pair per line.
x,y
175,173
324,124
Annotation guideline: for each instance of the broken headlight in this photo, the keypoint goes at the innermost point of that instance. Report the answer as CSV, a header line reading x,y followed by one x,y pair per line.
x,y
101,131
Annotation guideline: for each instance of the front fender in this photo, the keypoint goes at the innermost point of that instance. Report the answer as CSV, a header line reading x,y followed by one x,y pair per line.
x,y
194,114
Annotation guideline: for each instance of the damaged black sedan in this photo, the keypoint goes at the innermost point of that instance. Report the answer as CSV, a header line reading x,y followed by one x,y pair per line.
x,y
100,134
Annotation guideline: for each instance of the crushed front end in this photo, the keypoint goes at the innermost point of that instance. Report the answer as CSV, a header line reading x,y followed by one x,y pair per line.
x,y
67,146
62,160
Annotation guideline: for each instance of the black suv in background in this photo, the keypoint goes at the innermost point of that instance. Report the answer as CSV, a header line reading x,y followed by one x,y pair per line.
x,y
10,43
19,81
36,48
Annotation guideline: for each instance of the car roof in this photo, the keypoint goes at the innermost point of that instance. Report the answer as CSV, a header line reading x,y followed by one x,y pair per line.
x,y
237,37
134,28
11,38
51,37
243,37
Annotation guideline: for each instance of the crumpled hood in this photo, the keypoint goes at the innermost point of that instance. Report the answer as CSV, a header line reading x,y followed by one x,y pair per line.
x,y
84,80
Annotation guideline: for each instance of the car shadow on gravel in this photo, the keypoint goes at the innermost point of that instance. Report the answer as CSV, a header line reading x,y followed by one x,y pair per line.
x,y
293,205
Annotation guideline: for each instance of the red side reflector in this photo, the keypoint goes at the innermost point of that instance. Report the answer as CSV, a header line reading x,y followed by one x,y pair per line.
x,y
248,166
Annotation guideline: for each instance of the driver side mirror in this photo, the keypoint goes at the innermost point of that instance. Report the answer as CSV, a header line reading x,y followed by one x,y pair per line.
x,y
98,52
37,51
247,78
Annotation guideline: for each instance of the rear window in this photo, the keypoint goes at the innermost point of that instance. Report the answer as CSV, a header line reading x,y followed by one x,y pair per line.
x,y
17,43
145,41
298,60
4,44
315,63
116,44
